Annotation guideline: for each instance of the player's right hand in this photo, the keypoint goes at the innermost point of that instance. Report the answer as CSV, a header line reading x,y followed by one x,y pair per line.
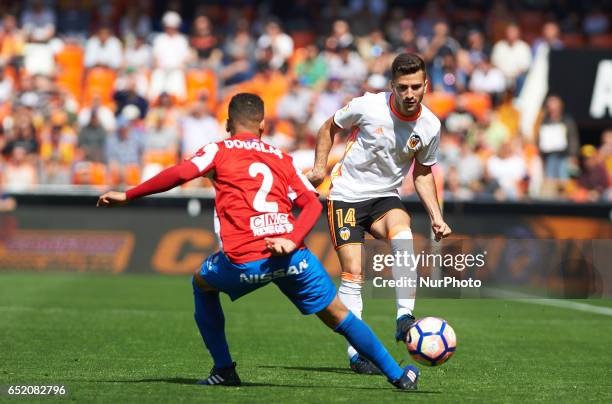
x,y
112,198
441,230
280,245
315,177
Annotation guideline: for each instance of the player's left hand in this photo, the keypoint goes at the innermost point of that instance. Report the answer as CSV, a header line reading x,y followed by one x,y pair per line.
x,y
112,198
440,229
280,246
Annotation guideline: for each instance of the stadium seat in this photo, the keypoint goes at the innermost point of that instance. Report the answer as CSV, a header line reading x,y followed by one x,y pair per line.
x,y
478,104
69,63
573,40
601,41
99,81
198,81
89,173
302,39
440,103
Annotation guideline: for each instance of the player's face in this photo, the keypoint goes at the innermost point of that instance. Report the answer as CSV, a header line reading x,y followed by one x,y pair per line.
x,y
408,90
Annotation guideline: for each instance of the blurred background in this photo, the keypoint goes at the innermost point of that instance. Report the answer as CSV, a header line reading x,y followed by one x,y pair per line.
x,y
108,93
104,94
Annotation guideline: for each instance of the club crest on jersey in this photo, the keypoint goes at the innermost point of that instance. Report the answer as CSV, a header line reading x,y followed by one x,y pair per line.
x,y
345,233
413,141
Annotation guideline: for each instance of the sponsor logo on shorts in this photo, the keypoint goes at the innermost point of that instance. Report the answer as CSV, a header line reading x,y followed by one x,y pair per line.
x,y
279,273
345,233
414,141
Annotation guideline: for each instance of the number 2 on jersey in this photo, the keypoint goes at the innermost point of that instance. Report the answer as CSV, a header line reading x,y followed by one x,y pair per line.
x,y
259,203
349,218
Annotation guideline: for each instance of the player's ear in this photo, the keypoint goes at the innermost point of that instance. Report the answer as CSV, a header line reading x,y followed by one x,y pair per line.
x,y
426,85
262,126
228,127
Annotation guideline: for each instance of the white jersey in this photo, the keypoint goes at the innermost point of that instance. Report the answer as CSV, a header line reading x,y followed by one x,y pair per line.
x,y
381,147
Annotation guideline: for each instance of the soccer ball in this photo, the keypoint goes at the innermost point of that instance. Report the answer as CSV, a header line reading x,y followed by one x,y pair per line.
x,y
431,341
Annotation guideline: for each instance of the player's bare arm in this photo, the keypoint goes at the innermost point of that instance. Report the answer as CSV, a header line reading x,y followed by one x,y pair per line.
x,y
425,186
325,141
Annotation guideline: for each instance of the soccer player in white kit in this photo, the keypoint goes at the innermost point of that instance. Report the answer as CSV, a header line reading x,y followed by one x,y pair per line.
x,y
388,131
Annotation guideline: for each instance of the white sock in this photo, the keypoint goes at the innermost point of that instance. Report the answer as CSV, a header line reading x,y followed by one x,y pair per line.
x,y
402,242
350,294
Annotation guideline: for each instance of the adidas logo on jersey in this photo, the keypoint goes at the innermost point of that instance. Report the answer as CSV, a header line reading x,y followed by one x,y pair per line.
x,y
252,145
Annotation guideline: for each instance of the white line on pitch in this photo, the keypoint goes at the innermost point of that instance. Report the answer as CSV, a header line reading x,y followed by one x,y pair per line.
x,y
564,304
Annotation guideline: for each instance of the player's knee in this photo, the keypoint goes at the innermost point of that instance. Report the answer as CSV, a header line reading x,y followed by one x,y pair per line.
x,y
333,314
200,283
399,232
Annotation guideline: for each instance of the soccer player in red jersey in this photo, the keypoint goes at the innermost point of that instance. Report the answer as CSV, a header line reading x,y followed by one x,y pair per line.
x,y
261,242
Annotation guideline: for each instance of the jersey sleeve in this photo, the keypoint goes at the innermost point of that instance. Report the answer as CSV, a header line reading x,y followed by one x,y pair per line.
x,y
428,154
350,115
299,185
206,158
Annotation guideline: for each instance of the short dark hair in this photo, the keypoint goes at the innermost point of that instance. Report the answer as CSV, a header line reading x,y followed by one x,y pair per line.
x,y
246,108
407,63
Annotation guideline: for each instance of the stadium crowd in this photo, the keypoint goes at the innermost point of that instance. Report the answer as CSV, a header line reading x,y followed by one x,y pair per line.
x,y
98,93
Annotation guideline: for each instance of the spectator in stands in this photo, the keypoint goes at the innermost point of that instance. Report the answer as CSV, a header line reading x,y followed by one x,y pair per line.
x,y
198,128
279,42
557,139
6,86
348,67
23,137
440,46
160,146
477,48
454,189
38,22
12,42
205,43
593,176
372,47
595,21
239,55
446,76
92,141
124,149
103,49
19,173
137,54
129,96
376,83
341,33
296,105
507,169
161,137
170,57
58,142
408,40
326,103
460,120
312,71
73,19
105,115
471,172
551,38
512,56
135,22
487,78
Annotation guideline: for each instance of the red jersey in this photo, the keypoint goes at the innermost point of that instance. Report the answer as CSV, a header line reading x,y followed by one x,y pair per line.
x,y
255,184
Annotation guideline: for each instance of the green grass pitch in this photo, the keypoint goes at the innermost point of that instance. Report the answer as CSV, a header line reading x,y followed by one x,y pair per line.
x,y
132,338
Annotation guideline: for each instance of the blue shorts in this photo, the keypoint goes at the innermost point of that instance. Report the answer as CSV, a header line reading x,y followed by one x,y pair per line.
x,y
300,276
